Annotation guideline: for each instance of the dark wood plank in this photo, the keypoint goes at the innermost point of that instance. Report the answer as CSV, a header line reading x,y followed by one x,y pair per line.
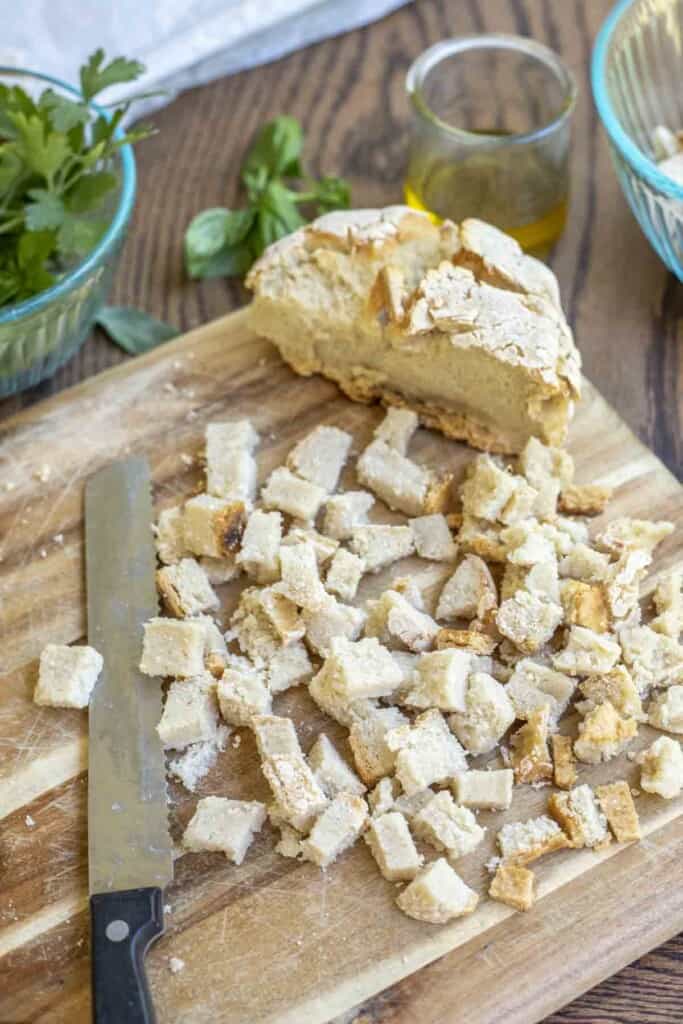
x,y
348,92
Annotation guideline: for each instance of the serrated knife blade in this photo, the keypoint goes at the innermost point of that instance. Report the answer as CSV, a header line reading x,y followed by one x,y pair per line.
x,y
129,846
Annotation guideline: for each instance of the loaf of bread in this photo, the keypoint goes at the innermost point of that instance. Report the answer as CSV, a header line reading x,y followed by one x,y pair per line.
x,y
452,321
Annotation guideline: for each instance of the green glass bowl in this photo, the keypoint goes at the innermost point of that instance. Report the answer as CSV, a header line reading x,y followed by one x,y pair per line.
x,y
39,335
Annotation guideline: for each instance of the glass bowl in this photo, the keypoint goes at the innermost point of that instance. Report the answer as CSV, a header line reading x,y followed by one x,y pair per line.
x,y
636,78
39,335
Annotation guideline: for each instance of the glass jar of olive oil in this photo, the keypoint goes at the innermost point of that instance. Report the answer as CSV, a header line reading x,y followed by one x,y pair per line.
x,y
491,135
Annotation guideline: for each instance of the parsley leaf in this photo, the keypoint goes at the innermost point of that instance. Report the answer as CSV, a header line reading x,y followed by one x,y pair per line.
x,y
133,330
96,76
46,210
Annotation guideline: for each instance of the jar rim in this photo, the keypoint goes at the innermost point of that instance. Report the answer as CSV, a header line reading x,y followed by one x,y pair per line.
x,y
434,55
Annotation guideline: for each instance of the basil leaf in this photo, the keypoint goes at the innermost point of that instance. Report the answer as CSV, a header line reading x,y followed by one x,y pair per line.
x,y
276,151
230,261
95,77
209,238
132,330
332,194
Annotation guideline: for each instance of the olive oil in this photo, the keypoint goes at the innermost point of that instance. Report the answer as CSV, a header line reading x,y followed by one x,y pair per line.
x,y
516,188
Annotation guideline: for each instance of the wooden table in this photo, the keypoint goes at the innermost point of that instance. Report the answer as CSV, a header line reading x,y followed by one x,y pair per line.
x,y
623,305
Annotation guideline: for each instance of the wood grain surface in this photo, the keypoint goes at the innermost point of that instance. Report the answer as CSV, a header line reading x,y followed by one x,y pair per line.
x,y
625,309
276,941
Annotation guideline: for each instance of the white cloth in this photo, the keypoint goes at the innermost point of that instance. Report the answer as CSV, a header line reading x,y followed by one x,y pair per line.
x,y
182,43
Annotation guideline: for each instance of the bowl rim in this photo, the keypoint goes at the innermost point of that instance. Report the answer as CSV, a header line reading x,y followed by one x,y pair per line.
x,y
116,227
632,153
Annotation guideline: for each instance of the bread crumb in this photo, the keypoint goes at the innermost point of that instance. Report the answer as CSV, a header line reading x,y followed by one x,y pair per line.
x,y
29,821
175,964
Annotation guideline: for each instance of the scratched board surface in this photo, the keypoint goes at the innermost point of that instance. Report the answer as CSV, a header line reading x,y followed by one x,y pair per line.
x,y
274,940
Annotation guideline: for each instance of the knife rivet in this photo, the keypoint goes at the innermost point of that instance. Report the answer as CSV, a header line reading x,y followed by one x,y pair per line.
x,y
117,931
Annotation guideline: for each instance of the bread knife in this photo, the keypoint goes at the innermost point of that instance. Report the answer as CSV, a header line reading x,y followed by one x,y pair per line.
x,y
129,847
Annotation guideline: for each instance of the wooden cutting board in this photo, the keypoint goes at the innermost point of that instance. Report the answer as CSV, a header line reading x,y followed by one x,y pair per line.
x,y
275,940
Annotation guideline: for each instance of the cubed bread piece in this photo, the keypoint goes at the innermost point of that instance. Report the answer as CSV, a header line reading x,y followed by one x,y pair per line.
x,y
252,628
653,659
622,586
362,669
336,829
212,526
392,846
468,639
529,756
661,768
585,564
447,827
489,790
532,685
230,465
409,588
481,538
624,534
666,710
320,456
224,826
296,790
410,805
578,813
529,620
487,488
324,547
289,493
368,741
173,647
407,663
287,667
616,803
169,535
433,538
587,653
393,619
283,615
426,752
617,687
275,736
584,499
344,574
437,895
197,760
67,676
322,691
541,579
398,481
603,734
381,545
470,593
332,619
220,570
440,680
521,842
243,694
514,886
564,762
300,581
290,843
259,555
331,770
397,428
185,589
528,542
585,604
344,512
190,713
382,798
668,600
489,714
538,461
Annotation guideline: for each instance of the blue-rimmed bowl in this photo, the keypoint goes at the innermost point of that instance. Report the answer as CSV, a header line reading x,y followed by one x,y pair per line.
x,y
39,335
637,78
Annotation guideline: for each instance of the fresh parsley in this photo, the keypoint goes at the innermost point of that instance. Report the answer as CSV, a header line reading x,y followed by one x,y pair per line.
x,y
57,174
132,330
225,243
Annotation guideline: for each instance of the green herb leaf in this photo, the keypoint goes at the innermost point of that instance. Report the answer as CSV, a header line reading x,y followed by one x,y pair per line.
x,y
96,76
46,210
211,233
275,152
76,236
64,113
133,330
89,190
332,194
43,151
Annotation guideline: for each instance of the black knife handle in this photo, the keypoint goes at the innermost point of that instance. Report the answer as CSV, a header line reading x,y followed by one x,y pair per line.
x,y
123,924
